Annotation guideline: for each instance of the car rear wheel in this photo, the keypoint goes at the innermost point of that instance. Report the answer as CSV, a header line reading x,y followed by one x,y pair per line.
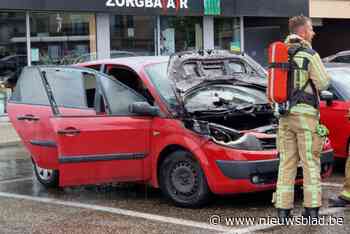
x,y
183,181
47,177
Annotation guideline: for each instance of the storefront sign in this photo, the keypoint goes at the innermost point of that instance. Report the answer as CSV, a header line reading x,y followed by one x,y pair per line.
x,y
162,4
212,7
229,8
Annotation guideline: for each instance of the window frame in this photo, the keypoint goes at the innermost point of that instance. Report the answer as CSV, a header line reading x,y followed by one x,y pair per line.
x,y
342,59
19,81
39,68
85,99
106,99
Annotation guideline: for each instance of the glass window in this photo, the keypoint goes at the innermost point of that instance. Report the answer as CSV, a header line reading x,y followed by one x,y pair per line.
x,y
72,87
180,33
30,88
227,34
159,78
259,33
62,38
132,35
119,97
340,81
13,52
342,59
206,98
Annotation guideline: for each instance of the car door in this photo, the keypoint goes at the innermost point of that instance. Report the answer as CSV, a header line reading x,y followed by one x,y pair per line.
x,y
29,111
335,117
99,148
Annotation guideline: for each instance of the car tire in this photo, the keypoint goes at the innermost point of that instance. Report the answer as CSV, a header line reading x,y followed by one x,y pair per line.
x,y
182,180
47,177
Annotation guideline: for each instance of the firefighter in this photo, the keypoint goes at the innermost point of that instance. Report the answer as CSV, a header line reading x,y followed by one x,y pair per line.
x,y
300,136
344,198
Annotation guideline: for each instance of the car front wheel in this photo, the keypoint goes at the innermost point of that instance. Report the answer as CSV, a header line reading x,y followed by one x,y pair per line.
x,y
183,181
47,177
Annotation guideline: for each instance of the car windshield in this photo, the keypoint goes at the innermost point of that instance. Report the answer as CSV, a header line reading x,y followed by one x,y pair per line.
x,y
203,98
257,67
341,81
222,96
158,76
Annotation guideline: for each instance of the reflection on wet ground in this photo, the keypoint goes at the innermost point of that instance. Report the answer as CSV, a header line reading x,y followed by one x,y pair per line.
x,y
15,163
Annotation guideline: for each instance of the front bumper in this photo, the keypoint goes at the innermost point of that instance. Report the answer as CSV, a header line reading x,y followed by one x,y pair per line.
x,y
265,171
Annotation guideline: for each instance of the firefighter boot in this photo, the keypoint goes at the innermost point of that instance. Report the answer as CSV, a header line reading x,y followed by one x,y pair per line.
x,y
283,215
311,213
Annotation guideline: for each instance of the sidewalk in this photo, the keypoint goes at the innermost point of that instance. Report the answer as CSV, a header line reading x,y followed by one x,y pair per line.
x,y
8,135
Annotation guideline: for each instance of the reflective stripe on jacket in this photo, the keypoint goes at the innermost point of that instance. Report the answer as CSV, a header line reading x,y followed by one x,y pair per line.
x,y
316,72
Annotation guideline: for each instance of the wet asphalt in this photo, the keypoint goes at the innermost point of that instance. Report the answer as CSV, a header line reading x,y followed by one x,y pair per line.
x,y
31,216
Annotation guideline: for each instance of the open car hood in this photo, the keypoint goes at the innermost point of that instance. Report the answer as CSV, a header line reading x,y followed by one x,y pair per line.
x,y
190,69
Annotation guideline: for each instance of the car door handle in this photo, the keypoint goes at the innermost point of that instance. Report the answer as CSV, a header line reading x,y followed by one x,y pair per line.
x,y
69,132
28,118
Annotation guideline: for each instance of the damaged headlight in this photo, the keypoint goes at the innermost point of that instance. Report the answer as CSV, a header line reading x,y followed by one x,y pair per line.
x,y
230,137
246,142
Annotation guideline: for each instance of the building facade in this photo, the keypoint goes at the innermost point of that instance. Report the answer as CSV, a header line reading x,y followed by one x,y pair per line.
x,y
332,24
36,32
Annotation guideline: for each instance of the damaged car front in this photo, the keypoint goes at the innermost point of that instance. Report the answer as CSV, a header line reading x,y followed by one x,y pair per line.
x,y
221,96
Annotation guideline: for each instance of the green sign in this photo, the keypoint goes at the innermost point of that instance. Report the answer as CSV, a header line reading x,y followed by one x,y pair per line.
x,y
235,46
212,7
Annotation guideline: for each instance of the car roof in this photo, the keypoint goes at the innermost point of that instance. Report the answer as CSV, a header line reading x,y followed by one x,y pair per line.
x,y
345,52
135,63
336,65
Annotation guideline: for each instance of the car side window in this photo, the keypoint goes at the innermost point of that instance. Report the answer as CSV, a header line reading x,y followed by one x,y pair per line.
x,y
342,59
336,95
119,97
129,78
73,87
68,86
95,67
30,88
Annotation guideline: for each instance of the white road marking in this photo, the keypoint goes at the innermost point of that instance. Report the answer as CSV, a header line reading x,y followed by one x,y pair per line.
x,y
118,211
332,185
15,180
157,218
251,229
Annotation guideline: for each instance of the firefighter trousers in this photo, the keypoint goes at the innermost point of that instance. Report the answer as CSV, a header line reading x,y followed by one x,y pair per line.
x,y
345,194
298,141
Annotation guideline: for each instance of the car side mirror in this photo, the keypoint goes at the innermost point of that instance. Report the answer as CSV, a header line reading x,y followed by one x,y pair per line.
x,y
143,108
328,97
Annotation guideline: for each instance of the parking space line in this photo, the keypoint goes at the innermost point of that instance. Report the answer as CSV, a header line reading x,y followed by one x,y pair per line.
x,y
153,217
119,211
15,180
332,185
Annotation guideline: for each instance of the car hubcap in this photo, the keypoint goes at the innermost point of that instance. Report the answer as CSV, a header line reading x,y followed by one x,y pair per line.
x,y
184,179
44,174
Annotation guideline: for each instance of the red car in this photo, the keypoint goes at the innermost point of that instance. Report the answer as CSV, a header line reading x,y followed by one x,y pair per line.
x,y
195,125
335,110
